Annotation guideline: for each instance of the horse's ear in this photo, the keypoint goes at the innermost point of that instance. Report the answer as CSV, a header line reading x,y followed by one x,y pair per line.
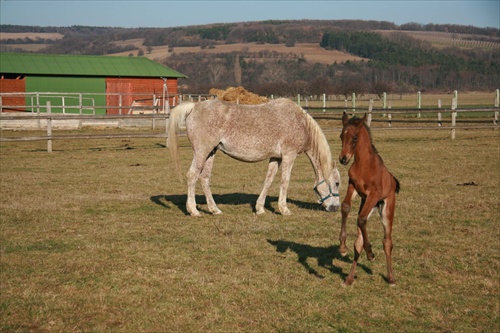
x,y
363,120
345,119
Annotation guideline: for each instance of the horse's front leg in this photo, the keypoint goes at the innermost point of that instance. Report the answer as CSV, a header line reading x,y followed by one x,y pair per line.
x,y
365,210
346,208
271,172
205,176
358,248
286,171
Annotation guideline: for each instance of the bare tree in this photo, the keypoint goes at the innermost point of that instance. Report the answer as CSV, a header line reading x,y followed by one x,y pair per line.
x,y
237,70
273,72
216,69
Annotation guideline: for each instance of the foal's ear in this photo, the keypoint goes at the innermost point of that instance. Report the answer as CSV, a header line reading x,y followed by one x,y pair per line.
x,y
345,119
363,120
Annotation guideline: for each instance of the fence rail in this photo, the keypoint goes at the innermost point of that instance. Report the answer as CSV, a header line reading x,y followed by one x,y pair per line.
x,y
319,113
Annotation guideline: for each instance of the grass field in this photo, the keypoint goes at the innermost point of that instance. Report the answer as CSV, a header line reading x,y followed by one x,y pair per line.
x,y
94,237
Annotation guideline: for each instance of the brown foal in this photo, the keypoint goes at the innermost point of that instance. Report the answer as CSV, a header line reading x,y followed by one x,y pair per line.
x,y
376,186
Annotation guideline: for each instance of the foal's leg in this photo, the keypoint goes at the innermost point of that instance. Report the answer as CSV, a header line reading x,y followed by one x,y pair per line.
x,y
206,173
346,208
365,210
387,216
362,241
286,170
271,172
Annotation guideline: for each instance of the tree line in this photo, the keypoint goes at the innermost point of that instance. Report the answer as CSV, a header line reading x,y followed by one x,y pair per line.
x,y
394,62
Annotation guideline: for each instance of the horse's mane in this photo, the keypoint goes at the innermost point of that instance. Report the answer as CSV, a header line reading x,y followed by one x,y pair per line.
x,y
319,145
355,121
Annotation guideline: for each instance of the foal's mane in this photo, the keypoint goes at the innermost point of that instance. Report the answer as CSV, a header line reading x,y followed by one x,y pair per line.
x,y
355,121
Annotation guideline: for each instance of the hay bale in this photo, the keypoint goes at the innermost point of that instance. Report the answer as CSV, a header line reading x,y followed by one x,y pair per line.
x,y
238,94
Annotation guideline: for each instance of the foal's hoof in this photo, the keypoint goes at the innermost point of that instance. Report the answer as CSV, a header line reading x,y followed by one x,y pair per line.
x,y
370,256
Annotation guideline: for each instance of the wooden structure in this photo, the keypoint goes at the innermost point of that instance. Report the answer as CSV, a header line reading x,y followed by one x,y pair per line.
x,y
108,84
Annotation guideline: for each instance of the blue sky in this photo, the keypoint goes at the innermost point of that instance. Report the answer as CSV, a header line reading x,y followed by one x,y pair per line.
x,y
122,13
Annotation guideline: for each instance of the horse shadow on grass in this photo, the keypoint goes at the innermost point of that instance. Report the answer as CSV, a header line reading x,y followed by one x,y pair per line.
x,y
324,257
179,200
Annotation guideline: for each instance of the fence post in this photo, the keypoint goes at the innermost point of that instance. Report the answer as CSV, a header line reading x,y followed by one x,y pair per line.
x,y
453,117
38,109
419,102
324,102
389,118
440,123
298,99
80,102
370,108
497,98
384,100
495,120
353,102
49,127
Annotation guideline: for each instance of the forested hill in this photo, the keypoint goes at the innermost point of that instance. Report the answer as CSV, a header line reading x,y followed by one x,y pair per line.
x,y
393,58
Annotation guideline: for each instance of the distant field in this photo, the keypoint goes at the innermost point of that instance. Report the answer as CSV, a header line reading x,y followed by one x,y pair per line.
x,y
311,51
447,39
31,35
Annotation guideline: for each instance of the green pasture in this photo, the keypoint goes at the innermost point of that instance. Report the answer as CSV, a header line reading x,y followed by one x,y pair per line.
x,y
94,237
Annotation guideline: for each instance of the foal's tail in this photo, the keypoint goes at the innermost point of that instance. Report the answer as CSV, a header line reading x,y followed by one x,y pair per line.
x,y
177,120
397,184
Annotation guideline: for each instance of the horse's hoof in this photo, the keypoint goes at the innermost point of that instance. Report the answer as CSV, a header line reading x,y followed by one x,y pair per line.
x,y
260,212
286,212
370,256
216,212
195,214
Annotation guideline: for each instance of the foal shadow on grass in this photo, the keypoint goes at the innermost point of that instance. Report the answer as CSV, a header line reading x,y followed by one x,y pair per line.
x,y
179,200
323,255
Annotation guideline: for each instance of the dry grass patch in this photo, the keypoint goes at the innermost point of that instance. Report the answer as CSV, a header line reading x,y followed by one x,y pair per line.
x,y
95,237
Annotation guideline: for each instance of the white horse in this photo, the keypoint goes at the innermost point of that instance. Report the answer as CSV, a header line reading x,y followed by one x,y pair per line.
x,y
278,130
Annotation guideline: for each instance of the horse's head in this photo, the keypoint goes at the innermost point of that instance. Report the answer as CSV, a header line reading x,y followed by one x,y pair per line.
x,y
328,191
349,136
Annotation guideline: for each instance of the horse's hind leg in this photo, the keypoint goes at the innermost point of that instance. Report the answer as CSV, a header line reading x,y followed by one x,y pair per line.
x,y
271,172
387,217
205,175
192,176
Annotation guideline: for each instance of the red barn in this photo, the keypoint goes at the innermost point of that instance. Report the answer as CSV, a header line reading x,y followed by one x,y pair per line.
x,y
105,85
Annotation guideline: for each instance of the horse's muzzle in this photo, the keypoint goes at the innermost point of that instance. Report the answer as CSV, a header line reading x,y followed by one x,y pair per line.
x,y
343,160
332,208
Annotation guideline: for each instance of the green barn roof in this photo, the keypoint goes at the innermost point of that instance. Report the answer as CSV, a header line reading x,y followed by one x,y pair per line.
x,y
82,65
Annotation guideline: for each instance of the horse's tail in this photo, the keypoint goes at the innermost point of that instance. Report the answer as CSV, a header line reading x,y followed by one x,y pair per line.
x,y
397,184
177,120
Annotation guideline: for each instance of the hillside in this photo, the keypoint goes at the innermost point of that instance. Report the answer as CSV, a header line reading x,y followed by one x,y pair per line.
x,y
290,57
311,52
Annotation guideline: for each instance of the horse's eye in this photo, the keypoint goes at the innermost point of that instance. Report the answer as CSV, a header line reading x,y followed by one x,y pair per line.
x,y
354,139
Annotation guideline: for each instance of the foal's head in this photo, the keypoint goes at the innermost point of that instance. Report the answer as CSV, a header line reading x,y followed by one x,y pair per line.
x,y
349,136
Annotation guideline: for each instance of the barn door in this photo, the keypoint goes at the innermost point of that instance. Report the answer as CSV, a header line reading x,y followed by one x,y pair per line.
x,y
114,90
